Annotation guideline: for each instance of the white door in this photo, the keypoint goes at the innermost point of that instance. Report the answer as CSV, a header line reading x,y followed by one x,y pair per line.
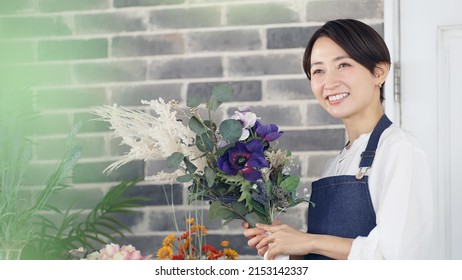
x,y
430,101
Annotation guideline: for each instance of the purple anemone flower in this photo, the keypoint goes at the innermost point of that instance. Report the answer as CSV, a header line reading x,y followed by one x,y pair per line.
x,y
267,132
246,158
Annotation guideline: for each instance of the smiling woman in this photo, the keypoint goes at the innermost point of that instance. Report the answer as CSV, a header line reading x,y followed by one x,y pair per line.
x,y
374,199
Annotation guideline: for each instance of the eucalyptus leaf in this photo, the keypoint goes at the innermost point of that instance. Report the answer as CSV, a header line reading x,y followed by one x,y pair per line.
x,y
190,166
185,178
193,101
196,125
290,183
174,160
231,130
209,176
220,93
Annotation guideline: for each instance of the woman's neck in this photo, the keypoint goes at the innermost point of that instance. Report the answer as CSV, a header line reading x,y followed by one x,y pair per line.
x,y
358,125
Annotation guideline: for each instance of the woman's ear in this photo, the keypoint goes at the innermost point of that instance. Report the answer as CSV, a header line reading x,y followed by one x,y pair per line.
x,y
381,71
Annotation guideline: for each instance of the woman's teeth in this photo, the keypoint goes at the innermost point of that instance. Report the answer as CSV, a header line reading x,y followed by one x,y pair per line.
x,y
337,96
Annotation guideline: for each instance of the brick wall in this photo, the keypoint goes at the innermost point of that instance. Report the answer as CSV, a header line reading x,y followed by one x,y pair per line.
x,y
79,53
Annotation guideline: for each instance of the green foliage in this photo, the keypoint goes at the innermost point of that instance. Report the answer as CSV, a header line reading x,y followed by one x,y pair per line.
x,y
100,226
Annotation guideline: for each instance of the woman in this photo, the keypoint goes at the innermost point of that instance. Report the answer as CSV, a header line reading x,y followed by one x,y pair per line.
x,y
374,199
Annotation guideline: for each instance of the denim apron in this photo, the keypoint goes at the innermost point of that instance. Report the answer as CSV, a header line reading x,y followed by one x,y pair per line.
x,y
343,205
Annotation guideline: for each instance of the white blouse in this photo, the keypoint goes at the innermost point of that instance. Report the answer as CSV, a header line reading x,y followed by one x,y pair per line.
x,y
401,193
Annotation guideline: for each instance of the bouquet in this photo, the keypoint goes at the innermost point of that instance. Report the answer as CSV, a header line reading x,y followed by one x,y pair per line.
x,y
236,165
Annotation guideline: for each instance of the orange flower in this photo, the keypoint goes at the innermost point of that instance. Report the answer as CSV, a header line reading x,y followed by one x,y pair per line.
x,y
164,253
185,235
214,256
190,221
185,245
230,254
224,243
178,257
168,240
208,248
199,228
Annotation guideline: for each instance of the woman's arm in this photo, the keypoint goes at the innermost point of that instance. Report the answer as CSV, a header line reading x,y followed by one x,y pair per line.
x,y
285,240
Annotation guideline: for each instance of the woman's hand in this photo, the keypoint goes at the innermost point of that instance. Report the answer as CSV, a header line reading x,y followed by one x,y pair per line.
x,y
255,235
283,240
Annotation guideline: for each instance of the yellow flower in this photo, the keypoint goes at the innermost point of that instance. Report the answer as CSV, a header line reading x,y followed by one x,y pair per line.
x,y
164,253
190,221
168,240
224,243
230,254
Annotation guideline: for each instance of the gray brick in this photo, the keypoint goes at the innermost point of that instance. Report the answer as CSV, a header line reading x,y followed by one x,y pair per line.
x,y
292,37
76,198
49,124
273,64
89,123
17,6
243,91
281,115
110,23
133,3
20,27
266,13
291,89
148,45
313,139
93,172
186,18
36,174
183,68
71,5
17,51
118,149
157,194
317,164
132,95
32,75
69,98
50,148
92,146
155,166
234,40
237,242
72,49
133,219
118,71
318,116
358,9
164,220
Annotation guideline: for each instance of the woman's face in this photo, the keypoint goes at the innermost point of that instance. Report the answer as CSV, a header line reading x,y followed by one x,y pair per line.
x,y
342,86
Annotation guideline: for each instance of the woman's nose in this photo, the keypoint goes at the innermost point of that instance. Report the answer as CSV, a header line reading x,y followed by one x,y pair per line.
x,y
331,81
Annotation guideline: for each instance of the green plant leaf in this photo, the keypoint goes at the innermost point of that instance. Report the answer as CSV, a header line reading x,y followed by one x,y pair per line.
x,y
174,160
218,211
220,93
253,218
231,130
209,176
193,101
185,178
290,183
196,125
190,166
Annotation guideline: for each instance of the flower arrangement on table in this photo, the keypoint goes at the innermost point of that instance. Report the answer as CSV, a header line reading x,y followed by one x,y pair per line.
x,y
236,165
191,245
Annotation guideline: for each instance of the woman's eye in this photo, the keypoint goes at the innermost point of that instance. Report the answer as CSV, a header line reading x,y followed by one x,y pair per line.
x,y
317,71
342,65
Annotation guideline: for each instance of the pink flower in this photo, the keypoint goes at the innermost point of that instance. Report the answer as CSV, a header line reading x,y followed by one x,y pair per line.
x,y
115,252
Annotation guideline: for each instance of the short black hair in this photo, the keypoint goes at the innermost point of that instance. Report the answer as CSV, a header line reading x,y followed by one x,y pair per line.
x,y
360,41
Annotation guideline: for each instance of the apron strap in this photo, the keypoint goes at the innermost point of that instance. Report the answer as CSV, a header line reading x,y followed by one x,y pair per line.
x,y
367,157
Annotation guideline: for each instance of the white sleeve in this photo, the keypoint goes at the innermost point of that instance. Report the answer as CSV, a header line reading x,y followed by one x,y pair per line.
x,y
404,208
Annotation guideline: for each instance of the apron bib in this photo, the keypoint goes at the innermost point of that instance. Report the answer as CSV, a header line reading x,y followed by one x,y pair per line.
x,y
343,205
